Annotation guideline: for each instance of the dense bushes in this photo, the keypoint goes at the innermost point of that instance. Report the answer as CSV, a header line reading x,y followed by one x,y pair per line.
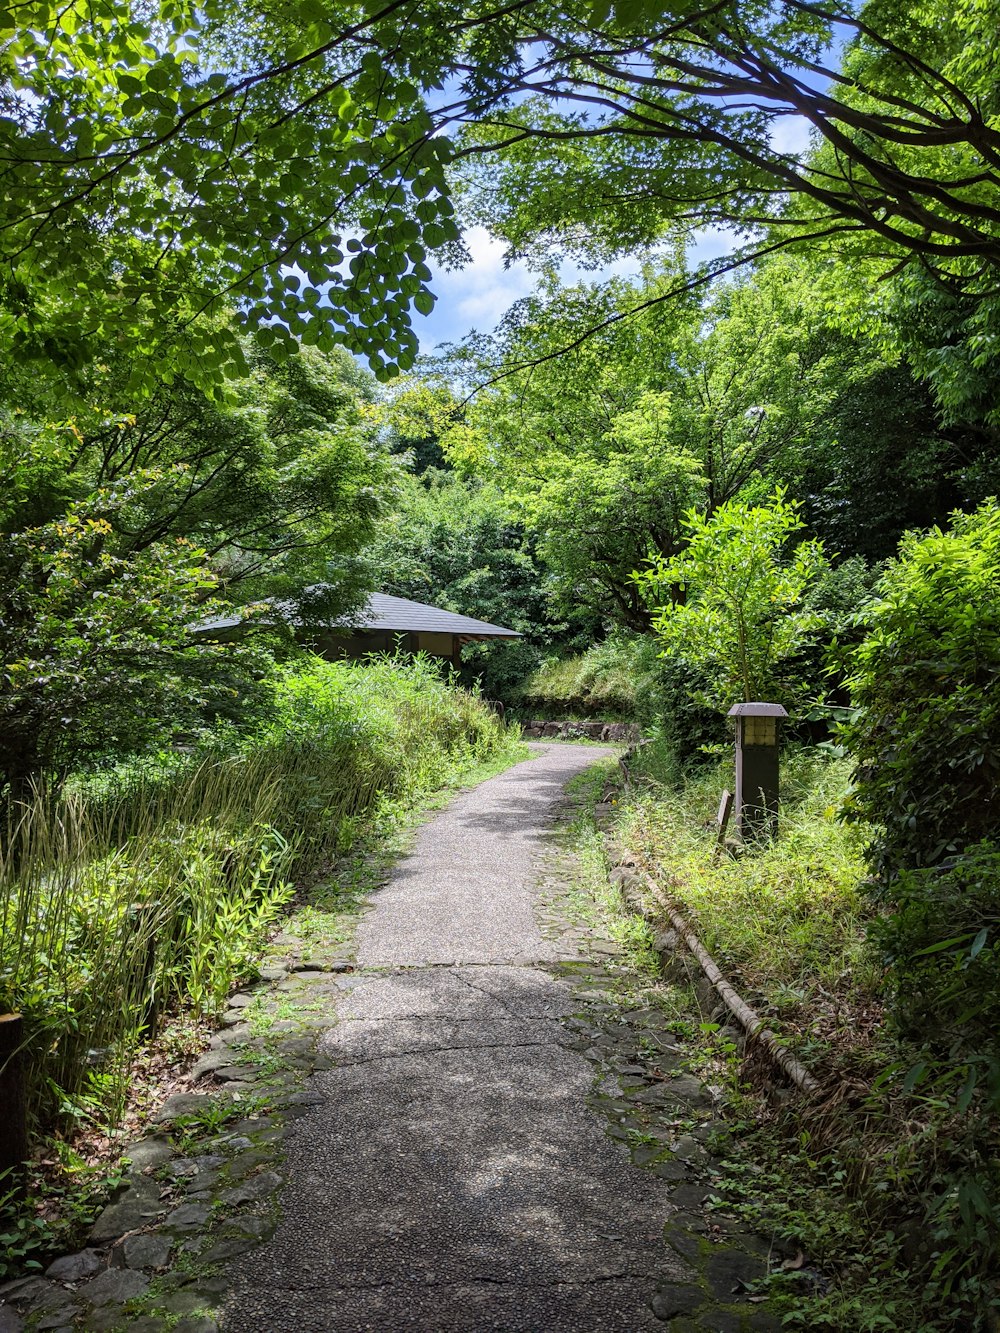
x,y
889,982
614,679
153,887
927,680
626,678
926,743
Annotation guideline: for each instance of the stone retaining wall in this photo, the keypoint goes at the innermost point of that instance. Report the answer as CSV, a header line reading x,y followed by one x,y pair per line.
x,y
622,733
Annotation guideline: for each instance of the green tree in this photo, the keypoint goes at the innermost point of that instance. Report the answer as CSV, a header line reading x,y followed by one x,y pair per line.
x,y
160,161
605,448
271,483
600,513
642,118
880,462
925,679
120,531
414,413
163,162
732,605
461,545
98,659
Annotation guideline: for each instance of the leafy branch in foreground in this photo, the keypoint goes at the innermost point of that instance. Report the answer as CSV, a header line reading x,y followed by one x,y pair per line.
x,y
157,165
640,116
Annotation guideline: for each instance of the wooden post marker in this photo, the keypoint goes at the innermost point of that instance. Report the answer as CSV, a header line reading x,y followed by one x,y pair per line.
x,y
722,823
757,739
13,1108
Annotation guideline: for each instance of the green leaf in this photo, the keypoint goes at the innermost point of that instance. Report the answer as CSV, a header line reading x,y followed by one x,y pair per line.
x,y
915,1077
941,945
965,1096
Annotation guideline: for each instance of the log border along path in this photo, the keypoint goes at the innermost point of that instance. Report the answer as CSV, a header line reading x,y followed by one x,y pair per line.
x,y
449,1160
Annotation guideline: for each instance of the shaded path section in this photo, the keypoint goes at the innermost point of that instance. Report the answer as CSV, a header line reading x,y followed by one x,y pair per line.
x,y
451,1176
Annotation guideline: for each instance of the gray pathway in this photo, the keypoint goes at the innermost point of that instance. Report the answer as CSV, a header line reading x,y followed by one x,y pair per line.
x,y
452,1177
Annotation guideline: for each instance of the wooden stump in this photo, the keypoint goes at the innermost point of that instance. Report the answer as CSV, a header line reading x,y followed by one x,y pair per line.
x,y
13,1108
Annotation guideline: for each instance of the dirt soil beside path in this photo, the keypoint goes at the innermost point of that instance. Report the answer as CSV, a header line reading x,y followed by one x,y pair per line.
x,y
452,1126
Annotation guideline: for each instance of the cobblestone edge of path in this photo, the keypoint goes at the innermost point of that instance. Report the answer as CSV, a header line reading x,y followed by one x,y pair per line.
x,y
204,1180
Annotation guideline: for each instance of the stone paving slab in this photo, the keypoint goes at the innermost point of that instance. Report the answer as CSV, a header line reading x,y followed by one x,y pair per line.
x,y
453,1163
603,1306
482,993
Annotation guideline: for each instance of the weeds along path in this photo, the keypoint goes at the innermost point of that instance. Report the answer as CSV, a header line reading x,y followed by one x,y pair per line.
x,y
453,1176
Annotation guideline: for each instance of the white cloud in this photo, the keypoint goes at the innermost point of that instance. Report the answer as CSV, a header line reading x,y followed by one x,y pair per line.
x,y
479,295
476,296
791,135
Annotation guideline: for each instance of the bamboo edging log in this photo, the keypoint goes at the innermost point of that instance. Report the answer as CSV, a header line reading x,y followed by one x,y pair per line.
x,y
741,1011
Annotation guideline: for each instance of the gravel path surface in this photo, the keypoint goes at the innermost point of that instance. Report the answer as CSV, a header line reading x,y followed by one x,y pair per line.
x,y
466,893
452,1176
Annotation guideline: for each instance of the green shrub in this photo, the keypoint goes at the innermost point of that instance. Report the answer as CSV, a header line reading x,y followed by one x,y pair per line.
x,y
733,605
941,944
627,678
154,886
927,682
926,745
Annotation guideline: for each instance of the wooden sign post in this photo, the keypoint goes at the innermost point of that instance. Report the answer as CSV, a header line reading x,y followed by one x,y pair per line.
x,y
757,738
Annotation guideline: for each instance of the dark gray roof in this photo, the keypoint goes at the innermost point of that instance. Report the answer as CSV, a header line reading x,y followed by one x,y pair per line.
x,y
402,616
396,615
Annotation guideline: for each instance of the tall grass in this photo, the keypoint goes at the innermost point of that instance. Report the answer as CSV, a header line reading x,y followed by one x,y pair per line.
x,y
626,678
610,680
153,887
788,922
888,1187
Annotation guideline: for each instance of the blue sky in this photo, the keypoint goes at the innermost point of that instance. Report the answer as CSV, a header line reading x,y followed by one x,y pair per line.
x,y
476,296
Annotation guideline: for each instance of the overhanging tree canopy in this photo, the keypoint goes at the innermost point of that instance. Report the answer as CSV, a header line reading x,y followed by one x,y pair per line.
x,y
675,112
155,162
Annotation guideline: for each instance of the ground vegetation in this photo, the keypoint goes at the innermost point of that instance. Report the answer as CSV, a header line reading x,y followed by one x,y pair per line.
x,y
136,900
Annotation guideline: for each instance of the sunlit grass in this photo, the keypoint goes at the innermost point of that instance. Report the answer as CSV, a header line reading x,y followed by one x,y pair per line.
x,y
786,918
607,681
154,887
